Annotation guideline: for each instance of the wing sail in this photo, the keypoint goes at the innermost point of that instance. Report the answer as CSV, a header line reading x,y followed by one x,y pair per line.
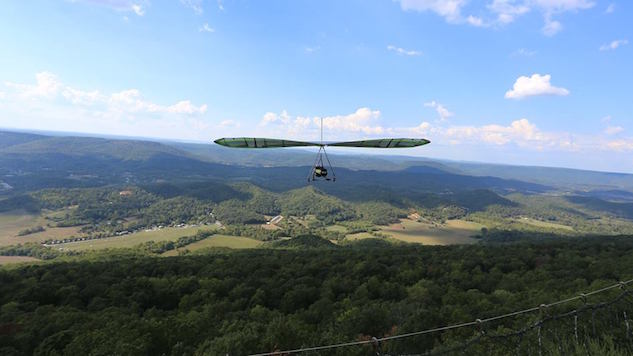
x,y
383,143
260,142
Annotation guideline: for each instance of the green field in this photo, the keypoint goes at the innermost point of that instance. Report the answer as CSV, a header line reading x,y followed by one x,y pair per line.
x,y
7,260
451,233
360,236
235,242
132,240
336,228
11,223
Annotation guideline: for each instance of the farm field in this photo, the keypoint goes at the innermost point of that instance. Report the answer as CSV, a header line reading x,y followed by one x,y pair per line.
x,y
131,240
235,242
11,223
7,260
451,233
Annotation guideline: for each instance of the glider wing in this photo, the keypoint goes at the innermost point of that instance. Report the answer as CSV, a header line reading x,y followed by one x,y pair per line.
x,y
383,143
260,142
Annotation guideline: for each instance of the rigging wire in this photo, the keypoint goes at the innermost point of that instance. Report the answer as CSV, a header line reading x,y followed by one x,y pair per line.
x,y
582,296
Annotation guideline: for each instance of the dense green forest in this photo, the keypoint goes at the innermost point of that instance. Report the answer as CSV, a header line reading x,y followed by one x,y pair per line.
x,y
255,301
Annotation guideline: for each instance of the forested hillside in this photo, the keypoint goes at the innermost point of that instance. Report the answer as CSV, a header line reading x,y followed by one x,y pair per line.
x,y
265,300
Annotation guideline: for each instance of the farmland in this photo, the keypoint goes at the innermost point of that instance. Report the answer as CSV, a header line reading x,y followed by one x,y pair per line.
x,y
452,232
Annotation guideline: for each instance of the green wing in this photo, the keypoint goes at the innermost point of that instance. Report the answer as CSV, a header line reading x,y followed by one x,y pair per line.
x,y
260,142
383,143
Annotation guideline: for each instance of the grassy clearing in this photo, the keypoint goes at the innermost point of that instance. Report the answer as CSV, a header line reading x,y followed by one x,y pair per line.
x,y
451,233
132,240
360,236
544,224
236,242
336,228
7,260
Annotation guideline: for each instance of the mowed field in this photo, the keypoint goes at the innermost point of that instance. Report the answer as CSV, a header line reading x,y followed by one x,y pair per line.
x,y
132,240
11,223
451,233
235,242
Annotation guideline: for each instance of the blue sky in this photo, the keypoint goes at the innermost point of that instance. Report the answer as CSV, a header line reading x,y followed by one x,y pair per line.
x,y
529,82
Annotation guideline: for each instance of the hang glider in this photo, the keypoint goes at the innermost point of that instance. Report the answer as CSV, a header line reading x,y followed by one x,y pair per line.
x,y
319,171
260,142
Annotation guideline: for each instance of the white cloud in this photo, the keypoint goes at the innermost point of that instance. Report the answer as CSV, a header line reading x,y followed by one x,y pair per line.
x,y
441,110
508,10
135,6
620,145
613,130
221,5
138,9
551,27
535,85
195,5
360,121
449,9
523,52
48,86
402,51
206,28
613,45
610,9
558,6
229,123
476,21
520,132
311,49
499,12
77,96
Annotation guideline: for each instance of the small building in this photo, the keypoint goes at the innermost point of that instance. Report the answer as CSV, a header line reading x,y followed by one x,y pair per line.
x,y
275,220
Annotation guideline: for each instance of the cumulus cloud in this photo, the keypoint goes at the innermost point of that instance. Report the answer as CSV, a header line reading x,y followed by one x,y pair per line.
x,y
613,45
48,86
360,121
535,85
442,111
402,51
521,133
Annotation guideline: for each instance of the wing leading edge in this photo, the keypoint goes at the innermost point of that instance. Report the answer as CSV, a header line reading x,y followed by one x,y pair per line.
x,y
383,143
260,142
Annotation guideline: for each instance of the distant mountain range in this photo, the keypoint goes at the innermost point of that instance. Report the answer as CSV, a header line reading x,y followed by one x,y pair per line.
x,y
91,161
